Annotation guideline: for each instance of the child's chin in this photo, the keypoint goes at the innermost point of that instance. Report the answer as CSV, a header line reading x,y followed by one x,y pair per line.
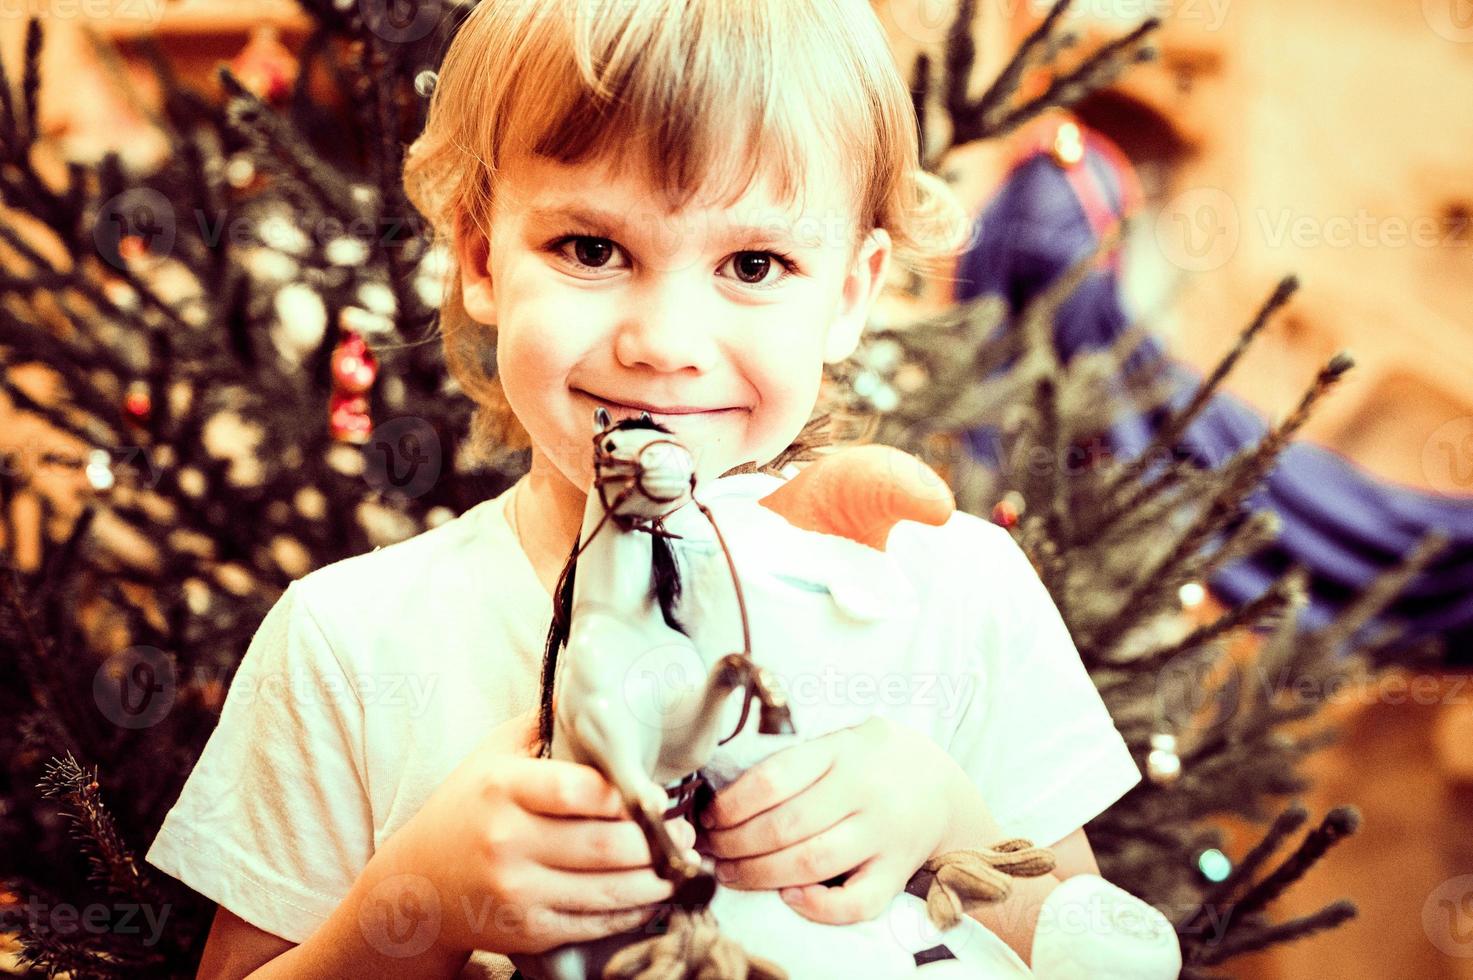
x,y
711,461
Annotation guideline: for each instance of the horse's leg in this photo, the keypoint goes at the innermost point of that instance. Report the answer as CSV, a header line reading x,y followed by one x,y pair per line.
x,y
619,759
736,670
698,715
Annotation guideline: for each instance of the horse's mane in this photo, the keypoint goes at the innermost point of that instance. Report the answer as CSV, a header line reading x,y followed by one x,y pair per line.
x,y
665,580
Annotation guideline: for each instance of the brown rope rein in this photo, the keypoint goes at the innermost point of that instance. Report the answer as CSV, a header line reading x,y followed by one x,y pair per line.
x,y
692,946
964,880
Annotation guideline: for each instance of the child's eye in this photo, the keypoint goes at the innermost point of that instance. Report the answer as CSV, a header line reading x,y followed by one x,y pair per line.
x,y
752,268
589,252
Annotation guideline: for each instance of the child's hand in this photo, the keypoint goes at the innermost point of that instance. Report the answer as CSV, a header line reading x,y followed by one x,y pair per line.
x,y
875,797
526,854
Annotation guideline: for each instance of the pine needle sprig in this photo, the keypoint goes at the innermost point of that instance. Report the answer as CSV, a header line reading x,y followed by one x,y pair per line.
x,y
113,865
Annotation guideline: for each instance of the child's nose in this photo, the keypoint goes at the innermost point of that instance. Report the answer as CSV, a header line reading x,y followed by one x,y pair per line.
x,y
668,328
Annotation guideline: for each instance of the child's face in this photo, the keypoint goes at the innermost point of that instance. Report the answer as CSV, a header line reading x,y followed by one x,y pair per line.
x,y
601,296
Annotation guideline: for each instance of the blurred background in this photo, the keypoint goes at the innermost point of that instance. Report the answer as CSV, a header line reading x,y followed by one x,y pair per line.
x,y
1260,140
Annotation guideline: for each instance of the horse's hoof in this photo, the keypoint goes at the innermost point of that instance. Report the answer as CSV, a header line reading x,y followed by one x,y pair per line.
x,y
776,721
695,892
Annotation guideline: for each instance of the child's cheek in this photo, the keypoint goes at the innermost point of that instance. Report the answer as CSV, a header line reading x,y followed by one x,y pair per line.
x,y
537,347
789,388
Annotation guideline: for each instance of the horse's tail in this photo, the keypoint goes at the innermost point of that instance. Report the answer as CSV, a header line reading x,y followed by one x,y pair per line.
x,y
557,638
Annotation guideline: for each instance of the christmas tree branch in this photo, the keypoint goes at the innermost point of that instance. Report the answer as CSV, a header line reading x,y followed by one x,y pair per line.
x,y
1096,72
969,120
995,114
1272,602
920,90
1290,819
1329,917
273,139
1165,439
1381,593
1338,824
113,864
1239,478
10,126
31,654
1246,538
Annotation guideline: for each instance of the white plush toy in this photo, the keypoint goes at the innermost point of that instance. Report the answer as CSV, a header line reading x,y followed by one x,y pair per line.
x,y
812,583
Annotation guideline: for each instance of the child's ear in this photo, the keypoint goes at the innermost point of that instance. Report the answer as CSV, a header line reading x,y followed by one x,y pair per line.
x,y
472,253
861,286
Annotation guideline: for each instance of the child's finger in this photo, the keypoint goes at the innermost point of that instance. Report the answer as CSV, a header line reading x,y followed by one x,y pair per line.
x,y
557,788
796,819
865,894
834,851
599,845
780,776
603,891
582,927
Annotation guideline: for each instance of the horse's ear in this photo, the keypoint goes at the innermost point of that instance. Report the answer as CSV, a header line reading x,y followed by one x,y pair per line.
x,y
600,419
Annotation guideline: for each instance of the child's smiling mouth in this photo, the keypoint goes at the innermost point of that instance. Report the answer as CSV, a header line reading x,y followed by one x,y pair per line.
x,y
621,410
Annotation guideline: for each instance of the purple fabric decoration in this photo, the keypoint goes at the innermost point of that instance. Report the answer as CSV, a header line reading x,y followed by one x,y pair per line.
x,y
1339,522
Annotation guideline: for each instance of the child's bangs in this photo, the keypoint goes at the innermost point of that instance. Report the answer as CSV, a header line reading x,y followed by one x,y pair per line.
x,y
706,97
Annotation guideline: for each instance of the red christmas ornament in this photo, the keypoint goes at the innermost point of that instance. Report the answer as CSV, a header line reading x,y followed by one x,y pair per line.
x,y
132,247
353,364
353,369
138,403
1005,514
265,66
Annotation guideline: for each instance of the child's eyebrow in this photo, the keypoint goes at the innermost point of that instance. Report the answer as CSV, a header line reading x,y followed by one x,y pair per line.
x,y
610,224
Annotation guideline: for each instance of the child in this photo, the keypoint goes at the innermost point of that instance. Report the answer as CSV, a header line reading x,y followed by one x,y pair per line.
x,y
681,205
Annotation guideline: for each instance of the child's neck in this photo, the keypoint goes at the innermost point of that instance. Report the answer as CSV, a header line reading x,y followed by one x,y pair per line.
x,y
547,513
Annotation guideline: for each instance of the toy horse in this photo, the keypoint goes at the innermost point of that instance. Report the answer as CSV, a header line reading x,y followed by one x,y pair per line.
x,y
615,708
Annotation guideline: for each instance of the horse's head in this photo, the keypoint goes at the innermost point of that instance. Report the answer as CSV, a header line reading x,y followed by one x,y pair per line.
x,y
641,469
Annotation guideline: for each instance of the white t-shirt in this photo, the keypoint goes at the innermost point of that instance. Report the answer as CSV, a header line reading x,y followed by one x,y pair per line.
x,y
372,678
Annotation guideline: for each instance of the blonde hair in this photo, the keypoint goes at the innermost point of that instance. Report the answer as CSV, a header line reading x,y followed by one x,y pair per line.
x,y
662,79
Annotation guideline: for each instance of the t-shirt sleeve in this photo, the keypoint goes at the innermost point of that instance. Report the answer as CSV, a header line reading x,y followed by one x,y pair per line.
x,y
273,822
1035,735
